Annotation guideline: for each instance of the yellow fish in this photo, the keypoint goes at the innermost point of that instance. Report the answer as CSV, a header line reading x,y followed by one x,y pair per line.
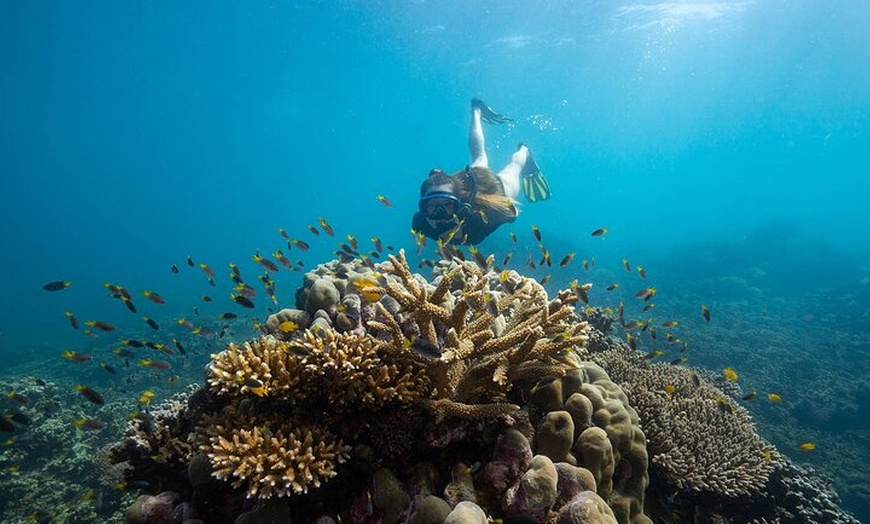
x,y
669,389
807,446
730,374
776,399
288,326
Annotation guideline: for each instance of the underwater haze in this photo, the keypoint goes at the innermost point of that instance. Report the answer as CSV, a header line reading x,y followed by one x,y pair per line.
x,y
724,145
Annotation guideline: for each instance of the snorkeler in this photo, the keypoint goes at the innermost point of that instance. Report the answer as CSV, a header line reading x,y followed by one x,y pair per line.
x,y
468,205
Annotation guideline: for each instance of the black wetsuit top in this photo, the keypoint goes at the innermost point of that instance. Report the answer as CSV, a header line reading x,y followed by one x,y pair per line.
x,y
474,230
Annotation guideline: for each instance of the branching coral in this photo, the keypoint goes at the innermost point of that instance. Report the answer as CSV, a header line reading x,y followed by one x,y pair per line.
x,y
271,461
344,367
700,439
493,330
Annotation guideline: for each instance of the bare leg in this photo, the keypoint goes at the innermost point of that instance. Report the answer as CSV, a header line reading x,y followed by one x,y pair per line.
x,y
476,142
510,175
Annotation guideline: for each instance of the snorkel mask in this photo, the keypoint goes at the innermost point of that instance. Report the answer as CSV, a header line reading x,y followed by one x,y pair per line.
x,y
439,205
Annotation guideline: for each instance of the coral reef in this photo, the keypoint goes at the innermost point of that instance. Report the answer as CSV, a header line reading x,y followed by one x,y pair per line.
x,y
387,397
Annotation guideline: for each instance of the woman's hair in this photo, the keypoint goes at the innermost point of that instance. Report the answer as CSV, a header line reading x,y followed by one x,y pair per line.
x,y
438,178
489,191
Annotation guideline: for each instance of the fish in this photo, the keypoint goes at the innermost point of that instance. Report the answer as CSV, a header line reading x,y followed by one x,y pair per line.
x,y
90,394
123,353
531,263
542,383
324,225
807,446
600,232
425,348
207,270
649,306
58,285
228,316
108,368
723,405
507,258
178,346
585,265
385,201
297,350
678,361
103,326
730,374
696,381
670,323
242,301
536,232
151,323
314,230
567,259
513,237
645,293
18,418
190,261
670,388
88,423
626,265
129,303
352,241
705,312
154,297
378,245
581,290
174,268
279,256
283,233
775,398
653,354
205,298
544,280
300,244
18,398
133,343
267,264
76,357
160,365
642,272
750,395
288,326
255,386
611,287
72,319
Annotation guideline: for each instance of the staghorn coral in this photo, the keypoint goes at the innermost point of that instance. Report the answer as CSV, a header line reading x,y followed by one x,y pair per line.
x,y
270,461
492,331
700,439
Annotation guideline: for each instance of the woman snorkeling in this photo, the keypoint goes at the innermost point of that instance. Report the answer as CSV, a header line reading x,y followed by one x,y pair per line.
x,y
466,206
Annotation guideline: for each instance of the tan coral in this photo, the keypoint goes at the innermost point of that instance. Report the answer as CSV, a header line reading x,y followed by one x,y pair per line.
x,y
277,461
700,439
478,366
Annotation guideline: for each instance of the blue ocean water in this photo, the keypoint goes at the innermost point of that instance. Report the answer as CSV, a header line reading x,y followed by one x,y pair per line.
x,y
723,144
